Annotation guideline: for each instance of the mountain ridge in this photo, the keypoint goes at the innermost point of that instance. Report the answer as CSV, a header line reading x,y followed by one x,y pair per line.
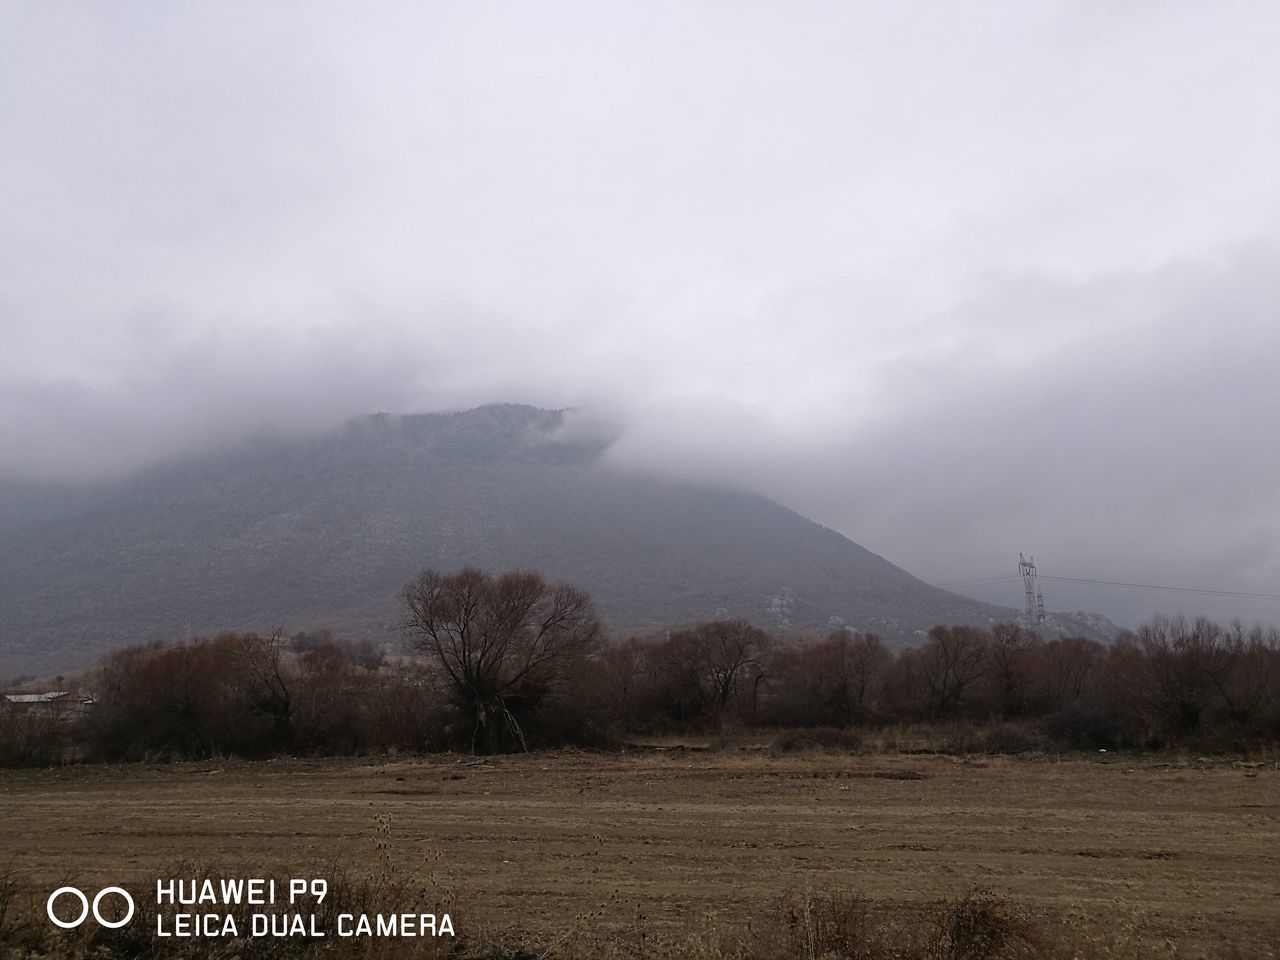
x,y
323,531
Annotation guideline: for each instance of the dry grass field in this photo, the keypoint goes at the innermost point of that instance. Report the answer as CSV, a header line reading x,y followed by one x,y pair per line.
x,y
1182,851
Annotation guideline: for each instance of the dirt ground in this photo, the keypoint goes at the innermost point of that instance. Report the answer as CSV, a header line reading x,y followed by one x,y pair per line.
x,y
526,845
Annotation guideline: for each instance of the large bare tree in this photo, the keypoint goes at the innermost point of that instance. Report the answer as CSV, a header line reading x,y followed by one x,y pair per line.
x,y
950,664
503,644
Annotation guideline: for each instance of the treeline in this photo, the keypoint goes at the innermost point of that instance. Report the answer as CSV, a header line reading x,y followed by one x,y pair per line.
x,y
234,695
1172,683
512,662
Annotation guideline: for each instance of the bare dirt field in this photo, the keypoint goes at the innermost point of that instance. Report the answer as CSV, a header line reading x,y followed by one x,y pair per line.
x,y
1188,851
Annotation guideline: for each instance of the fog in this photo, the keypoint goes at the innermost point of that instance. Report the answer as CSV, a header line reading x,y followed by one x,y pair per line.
x,y
956,284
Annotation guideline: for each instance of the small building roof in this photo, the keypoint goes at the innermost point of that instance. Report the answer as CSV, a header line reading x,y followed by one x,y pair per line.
x,y
35,697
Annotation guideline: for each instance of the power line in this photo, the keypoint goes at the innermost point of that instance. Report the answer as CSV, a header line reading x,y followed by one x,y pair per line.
x,y
1205,591
1152,586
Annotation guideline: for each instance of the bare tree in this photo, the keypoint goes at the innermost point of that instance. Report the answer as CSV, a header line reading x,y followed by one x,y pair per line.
x,y
953,660
836,681
855,664
706,665
264,659
1066,670
729,649
1186,666
502,644
1010,651
1250,670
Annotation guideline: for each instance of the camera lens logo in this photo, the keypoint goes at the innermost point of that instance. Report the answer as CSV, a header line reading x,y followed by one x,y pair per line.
x,y
84,907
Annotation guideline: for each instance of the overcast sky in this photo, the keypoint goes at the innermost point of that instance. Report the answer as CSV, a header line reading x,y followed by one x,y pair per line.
x,y
956,279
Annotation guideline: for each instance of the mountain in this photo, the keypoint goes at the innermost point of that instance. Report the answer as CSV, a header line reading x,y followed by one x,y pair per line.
x,y
324,532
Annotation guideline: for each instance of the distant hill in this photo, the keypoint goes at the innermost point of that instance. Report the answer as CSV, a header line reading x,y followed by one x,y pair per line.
x,y
324,532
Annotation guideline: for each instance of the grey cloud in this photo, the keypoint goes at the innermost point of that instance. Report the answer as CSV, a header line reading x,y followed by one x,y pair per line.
x,y
954,284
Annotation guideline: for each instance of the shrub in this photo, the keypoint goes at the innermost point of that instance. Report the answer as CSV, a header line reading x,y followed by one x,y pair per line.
x,y
1017,738
31,738
815,740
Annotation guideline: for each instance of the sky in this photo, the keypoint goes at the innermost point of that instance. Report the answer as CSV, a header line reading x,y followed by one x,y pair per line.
x,y
958,280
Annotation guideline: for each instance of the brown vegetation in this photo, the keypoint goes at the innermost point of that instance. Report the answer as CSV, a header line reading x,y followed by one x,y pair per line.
x,y
505,647
512,662
721,854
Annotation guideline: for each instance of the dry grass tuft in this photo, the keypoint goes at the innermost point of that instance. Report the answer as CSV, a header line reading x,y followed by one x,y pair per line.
x,y
815,740
845,926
